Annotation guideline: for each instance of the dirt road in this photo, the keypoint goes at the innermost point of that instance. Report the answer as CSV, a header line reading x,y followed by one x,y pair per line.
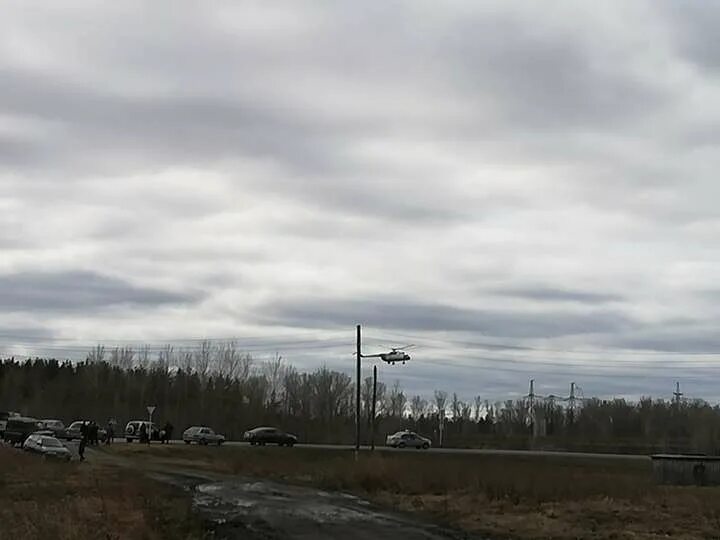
x,y
240,508
251,509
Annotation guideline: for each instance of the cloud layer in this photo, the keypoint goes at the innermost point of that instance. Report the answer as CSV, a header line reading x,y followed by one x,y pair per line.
x,y
534,178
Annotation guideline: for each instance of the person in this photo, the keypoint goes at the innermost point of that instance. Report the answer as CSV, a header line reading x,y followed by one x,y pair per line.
x,y
168,432
83,440
110,431
144,434
93,433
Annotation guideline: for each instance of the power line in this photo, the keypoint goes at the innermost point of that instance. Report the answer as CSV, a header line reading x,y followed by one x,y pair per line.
x,y
581,372
514,347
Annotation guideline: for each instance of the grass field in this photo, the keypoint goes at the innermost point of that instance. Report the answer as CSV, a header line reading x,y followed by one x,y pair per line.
x,y
501,497
82,501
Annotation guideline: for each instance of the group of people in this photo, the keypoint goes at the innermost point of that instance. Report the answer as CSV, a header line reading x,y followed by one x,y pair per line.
x,y
165,434
89,435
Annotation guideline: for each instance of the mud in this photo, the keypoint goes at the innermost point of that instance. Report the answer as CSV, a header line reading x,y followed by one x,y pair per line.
x,y
250,509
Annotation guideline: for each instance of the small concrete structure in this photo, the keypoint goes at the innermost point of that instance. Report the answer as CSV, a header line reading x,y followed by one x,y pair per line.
x,y
686,470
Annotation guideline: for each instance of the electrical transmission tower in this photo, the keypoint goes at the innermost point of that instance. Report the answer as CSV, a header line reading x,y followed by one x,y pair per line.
x,y
677,394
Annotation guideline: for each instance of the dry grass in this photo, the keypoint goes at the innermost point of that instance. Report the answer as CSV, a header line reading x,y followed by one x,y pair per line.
x,y
79,501
501,497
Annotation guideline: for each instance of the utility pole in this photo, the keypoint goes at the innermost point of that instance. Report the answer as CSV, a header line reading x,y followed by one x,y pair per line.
x,y
678,394
374,401
393,356
358,359
531,395
441,428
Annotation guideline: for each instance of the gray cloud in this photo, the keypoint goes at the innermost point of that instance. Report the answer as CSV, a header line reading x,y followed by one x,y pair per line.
x,y
77,290
553,294
411,315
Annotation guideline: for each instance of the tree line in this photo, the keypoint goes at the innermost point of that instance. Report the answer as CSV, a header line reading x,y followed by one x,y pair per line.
x,y
216,384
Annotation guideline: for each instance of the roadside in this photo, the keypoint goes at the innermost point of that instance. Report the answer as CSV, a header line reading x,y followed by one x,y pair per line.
x,y
45,499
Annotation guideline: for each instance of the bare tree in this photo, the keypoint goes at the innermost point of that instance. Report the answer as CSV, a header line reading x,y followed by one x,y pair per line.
x,y
366,397
273,371
478,407
380,398
96,354
418,406
166,359
455,406
203,358
230,361
465,411
143,358
440,401
185,361
396,400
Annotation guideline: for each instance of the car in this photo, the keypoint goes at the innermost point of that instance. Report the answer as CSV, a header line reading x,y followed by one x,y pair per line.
x,y
57,427
202,435
403,439
74,431
263,435
18,429
47,446
132,430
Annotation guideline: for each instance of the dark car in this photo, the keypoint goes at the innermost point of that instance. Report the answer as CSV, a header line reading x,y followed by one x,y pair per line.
x,y
20,428
57,427
264,435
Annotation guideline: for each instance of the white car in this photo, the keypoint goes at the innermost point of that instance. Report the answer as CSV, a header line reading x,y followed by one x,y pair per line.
x,y
133,428
202,435
408,439
46,446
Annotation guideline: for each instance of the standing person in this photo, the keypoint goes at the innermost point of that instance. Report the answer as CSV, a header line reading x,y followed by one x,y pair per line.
x,y
93,433
110,431
83,440
144,434
168,432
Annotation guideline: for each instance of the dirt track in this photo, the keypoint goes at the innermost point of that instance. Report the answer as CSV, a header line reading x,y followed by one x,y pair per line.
x,y
251,509
238,508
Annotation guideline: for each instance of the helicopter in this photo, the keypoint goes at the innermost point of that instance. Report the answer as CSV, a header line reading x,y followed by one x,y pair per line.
x,y
396,354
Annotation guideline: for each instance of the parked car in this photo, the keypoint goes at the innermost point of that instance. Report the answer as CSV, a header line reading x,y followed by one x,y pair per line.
x,y
57,427
74,431
202,435
264,435
403,439
18,429
46,446
132,430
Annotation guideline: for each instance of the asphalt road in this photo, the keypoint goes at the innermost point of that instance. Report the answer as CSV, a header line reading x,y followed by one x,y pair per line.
x,y
456,451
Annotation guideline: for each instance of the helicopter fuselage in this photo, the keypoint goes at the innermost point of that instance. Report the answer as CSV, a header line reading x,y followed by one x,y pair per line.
x,y
395,356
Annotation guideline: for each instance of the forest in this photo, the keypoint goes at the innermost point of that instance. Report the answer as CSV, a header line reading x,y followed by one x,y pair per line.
x,y
216,384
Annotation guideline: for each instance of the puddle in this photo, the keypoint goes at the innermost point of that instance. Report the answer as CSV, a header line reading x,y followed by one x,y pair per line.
x,y
254,509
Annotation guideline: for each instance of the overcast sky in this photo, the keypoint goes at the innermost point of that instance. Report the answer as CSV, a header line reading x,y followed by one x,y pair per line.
x,y
520,189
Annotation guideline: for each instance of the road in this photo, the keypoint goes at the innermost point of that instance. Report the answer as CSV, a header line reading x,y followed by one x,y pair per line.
x,y
467,451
